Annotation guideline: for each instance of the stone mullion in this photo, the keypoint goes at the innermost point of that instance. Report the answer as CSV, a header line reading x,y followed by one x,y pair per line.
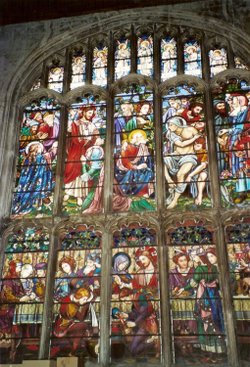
x,y
48,301
164,300
205,59
111,57
230,56
133,51
180,58
89,63
67,71
58,194
105,297
227,302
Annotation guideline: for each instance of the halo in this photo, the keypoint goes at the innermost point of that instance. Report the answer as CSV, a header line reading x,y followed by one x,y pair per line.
x,y
32,143
135,132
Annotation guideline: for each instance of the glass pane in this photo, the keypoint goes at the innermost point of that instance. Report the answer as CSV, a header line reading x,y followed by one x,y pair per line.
x,y
185,149
84,167
135,306
218,61
168,58
55,78
145,55
36,164
192,58
196,304
22,294
76,311
78,67
100,62
122,58
239,64
231,120
134,150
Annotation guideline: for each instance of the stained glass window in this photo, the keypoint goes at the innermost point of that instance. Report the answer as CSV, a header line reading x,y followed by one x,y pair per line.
x,y
238,240
55,78
217,61
231,121
36,84
135,306
22,294
38,143
192,58
100,62
84,171
122,57
78,69
168,58
196,304
134,187
239,64
145,55
185,149
77,295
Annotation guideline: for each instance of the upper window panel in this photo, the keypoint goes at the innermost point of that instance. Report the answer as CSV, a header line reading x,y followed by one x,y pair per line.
x,y
145,55
100,62
78,69
192,58
134,150
122,57
36,163
185,149
84,171
217,61
232,122
168,58
240,64
55,78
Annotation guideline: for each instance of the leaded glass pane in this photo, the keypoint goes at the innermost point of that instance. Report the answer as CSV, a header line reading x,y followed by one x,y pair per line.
x,y
185,149
168,58
78,69
84,170
55,78
38,143
22,294
100,62
134,181
192,58
238,240
76,310
217,61
135,307
122,58
196,304
145,55
231,120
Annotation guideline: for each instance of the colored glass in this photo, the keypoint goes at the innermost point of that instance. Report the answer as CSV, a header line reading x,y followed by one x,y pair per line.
x,y
217,61
78,67
122,58
100,62
192,58
145,55
55,78
168,58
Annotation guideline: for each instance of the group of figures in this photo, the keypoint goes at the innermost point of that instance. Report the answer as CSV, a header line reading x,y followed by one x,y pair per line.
x,y
76,303
185,149
232,116
196,306
135,306
37,160
22,295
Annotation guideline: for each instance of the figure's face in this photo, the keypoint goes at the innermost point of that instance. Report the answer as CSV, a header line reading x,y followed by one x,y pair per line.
x,y
90,263
197,110
89,114
49,120
26,271
127,109
172,127
66,268
197,146
122,266
220,106
34,129
199,125
40,273
144,261
183,262
171,102
212,258
83,300
144,109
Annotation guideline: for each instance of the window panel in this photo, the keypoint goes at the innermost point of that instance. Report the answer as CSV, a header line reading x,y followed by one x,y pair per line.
x,y
22,294
78,69
55,78
122,58
135,307
100,62
198,333
76,310
192,58
145,55
84,167
217,61
168,58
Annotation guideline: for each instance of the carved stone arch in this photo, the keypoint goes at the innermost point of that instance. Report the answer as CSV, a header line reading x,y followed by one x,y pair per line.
x,y
126,31
190,80
130,79
190,33
78,46
95,90
144,28
151,221
164,30
224,76
56,59
217,42
175,220
39,93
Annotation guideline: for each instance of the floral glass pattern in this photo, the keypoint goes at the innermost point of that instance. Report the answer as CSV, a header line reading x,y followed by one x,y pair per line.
x,y
185,148
231,121
84,170
22,294
38,143
196,304
134,150
145,55
77,295
135,306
